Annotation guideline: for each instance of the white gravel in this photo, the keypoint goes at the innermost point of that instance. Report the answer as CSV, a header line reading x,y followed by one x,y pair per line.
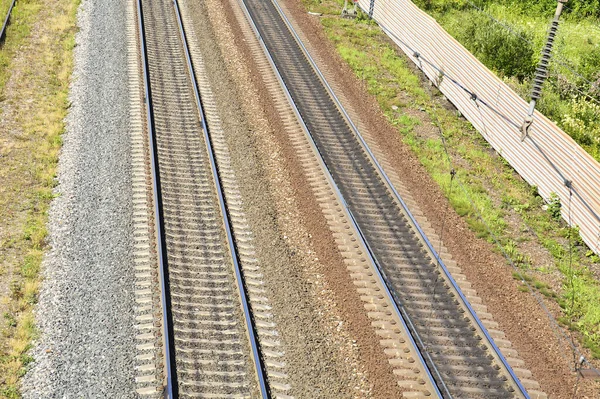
x,y
85,313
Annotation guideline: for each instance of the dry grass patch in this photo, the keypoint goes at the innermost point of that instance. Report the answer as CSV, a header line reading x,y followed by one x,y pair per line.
x,y
35,66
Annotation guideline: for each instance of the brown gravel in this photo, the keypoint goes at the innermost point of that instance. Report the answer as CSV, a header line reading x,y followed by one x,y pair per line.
x,y
517,313
331,349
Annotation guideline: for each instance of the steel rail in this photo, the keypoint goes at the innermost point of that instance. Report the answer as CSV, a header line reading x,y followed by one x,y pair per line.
x,y
430,247
258,364
6,20
170,389
414,222
396,195
398,309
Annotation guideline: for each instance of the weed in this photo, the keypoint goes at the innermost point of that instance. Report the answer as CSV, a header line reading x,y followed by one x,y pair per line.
x,y
534,191
522,276
11,321
498,48
523,288
554,206
593,257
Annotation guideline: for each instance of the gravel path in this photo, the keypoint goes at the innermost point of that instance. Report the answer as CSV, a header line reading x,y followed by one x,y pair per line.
x,y
85,312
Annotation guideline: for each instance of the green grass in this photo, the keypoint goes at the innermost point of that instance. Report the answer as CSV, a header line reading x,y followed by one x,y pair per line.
x,y
28,163
4,5
491,189
566,95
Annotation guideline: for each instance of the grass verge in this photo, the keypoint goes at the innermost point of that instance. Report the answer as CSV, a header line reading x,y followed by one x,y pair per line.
x,y
35,68
540,244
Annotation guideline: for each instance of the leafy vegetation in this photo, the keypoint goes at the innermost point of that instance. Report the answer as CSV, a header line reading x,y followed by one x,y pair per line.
x,y
576,9
554,206
508,36
497,47
495,202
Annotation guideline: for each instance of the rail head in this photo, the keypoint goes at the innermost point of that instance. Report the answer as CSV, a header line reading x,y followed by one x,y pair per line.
x,y
170,388
253,338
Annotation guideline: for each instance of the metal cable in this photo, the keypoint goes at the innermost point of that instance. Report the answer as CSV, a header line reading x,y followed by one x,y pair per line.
x,y
554,324
571,273
452,174
444,218
582,93
559,334
444,75
557,331
576,387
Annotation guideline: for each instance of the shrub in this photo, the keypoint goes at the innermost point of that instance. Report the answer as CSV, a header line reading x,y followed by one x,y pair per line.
x,y
577,9
584,8
498,48
441,5
581,123
554,206
570,86
590,66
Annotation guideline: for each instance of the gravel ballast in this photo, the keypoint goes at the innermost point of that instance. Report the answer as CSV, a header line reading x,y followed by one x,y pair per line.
x,y
328,349
85,314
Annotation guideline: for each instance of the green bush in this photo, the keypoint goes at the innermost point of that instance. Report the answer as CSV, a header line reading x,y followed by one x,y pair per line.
x,y
554,206
586,81
442,6
581,122
584,8
577,9
498,48
590,65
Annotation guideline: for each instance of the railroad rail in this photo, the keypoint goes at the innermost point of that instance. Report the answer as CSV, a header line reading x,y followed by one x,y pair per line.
x,y
211,345
460,356
7,20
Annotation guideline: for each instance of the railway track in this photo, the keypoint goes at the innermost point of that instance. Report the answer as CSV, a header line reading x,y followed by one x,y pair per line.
x,y
461,358
211,343
210,337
